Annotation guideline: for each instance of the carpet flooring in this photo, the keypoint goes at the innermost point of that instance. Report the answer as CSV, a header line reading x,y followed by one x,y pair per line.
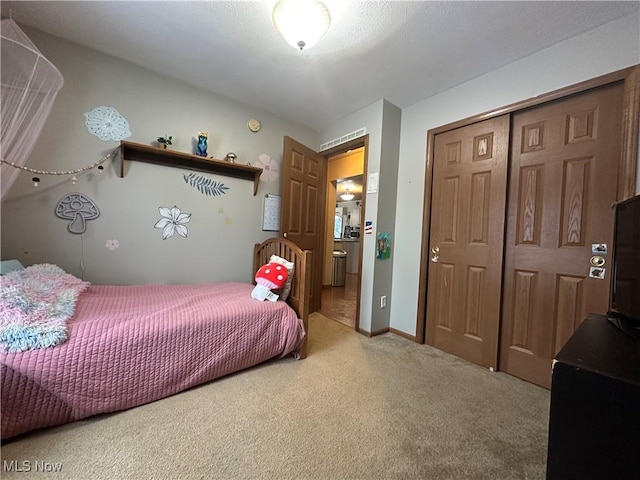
x,y
356,408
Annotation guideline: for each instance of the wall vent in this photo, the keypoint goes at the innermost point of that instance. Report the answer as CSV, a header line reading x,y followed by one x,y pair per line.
x,y
343,139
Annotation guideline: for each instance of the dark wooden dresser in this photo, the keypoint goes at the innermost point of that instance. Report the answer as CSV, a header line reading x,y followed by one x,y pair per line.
x,y
594,421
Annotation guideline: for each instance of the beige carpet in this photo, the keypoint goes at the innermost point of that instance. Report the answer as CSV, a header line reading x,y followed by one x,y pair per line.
x,y
356,408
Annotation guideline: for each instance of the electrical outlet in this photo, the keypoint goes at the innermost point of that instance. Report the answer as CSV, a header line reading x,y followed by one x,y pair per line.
x,y
383,301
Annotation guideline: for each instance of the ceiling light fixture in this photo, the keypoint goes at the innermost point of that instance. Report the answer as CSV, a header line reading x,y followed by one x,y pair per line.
x,y
301,22
347,195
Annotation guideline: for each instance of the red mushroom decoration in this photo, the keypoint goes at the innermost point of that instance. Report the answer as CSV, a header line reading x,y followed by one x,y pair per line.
x,y
269,277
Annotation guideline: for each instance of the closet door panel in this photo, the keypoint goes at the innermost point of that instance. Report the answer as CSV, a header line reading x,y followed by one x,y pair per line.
x,y
466,243
563,170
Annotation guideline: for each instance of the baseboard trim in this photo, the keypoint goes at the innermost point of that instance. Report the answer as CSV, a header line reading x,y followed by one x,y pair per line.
x,y
373,334
363,332
413,338
382,331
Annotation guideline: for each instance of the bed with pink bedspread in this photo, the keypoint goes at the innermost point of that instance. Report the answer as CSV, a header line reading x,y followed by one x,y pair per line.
x,y
130,345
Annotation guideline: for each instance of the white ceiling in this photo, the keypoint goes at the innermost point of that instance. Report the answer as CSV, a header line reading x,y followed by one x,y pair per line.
x,y
397,50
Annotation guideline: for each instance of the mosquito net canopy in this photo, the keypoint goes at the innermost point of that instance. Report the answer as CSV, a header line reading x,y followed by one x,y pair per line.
x,y
30,84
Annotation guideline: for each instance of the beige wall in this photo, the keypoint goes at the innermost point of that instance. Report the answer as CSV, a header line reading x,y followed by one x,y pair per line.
x,y
222,229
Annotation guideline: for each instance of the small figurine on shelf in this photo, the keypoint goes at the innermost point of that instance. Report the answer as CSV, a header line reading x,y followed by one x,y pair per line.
x,y
230,157
201,148
164,141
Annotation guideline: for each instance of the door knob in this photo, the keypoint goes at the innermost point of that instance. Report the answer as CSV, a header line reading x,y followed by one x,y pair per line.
x,y
435,250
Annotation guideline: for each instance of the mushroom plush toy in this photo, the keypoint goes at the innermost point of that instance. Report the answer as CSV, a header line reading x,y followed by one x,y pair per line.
x,y
269,277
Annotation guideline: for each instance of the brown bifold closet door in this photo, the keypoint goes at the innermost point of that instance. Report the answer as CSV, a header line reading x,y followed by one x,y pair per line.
x,y
563,179
466,240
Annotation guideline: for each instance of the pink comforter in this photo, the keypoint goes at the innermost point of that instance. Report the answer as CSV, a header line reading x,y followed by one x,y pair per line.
x,y
130,345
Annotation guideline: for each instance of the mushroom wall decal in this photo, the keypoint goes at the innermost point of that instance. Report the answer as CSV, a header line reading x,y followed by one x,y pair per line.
x,y
77,208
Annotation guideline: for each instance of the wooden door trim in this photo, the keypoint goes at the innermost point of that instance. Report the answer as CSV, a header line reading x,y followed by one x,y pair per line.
x,y
421,324
627,165
360,142
630,128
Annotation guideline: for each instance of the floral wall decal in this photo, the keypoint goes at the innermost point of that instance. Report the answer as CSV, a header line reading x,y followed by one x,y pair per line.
x,y
172,222
205,185
107,124
112,244
269,168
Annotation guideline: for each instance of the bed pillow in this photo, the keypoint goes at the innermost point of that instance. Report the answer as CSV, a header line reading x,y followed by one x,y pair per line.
x,y
271,276
7,266
290,266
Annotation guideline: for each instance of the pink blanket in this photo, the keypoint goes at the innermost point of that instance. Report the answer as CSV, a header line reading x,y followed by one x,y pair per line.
x,y
130,345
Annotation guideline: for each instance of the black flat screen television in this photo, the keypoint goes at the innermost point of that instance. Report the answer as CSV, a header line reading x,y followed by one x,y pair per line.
x,y
625,278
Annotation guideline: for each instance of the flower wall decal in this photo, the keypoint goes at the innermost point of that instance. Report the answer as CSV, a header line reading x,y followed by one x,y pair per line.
x,y
172,222
107,124
112,244
269,168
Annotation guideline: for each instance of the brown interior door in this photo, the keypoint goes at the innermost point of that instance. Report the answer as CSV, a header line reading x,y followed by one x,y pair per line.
x,y
466,240
303,206
563,177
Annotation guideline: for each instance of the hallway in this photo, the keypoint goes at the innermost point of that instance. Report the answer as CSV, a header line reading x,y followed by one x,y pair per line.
x,y
339,303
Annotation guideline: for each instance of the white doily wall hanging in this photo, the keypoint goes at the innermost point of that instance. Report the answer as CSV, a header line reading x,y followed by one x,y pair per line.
x,y
107,124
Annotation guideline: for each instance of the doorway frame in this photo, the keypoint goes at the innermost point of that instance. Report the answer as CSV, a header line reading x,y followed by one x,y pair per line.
x,y
627,163
360,142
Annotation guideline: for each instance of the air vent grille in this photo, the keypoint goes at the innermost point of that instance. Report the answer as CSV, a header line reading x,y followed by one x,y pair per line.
x,y
344,138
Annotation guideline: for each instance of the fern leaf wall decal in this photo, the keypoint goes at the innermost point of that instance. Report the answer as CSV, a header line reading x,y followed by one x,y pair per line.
x,y
206,186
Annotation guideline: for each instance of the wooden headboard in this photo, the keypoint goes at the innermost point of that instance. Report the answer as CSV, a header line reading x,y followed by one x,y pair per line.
x,y
301,283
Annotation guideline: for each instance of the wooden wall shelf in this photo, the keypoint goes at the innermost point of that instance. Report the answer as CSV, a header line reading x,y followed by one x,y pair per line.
x,y
146,153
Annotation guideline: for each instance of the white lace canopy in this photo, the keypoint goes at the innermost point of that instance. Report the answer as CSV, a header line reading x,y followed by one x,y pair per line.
x,y
30,84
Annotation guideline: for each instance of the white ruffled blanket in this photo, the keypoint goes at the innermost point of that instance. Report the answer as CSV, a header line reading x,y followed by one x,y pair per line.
x,y
35,305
